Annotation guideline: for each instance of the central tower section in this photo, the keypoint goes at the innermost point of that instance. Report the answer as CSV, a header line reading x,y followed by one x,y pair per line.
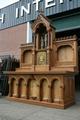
x,y
38,55
43,37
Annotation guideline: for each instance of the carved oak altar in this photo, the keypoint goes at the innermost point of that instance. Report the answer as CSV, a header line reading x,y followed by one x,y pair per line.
x,y
47,68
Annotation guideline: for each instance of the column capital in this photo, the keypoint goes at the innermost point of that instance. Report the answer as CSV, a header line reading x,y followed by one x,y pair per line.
x,y
49,86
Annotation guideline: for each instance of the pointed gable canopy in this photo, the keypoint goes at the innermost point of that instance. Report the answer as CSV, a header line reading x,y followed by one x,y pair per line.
x,y
41,19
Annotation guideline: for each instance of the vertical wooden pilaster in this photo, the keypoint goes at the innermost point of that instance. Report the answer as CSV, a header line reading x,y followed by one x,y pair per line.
x,y
17,90
49,96
62,92
10,89
38,88
33,58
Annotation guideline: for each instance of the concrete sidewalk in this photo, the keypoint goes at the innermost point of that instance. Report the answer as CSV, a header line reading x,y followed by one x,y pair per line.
x,y
19,111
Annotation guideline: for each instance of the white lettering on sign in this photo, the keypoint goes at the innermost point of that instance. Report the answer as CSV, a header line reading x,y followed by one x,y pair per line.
x,y
27,9
2,18
49,3
37,4
61,1
17,12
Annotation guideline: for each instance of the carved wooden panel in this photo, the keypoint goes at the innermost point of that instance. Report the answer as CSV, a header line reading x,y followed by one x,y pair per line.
x,y
55,91
23,88
27,57
33,89
44,88
41,58
65,54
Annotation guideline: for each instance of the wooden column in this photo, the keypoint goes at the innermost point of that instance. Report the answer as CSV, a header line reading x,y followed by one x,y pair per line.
x,y
33,58
49,39
10,89
62,92
17,90
25,94
38,88
27,90
48,48
37,41
49,96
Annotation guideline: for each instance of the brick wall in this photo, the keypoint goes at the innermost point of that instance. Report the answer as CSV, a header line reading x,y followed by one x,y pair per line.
x,y
11,38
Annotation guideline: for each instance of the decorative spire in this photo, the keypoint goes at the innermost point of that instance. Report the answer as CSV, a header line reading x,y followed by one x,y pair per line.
x,y
41,11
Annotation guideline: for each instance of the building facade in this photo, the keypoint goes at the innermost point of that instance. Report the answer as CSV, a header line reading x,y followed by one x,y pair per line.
x,y
48,61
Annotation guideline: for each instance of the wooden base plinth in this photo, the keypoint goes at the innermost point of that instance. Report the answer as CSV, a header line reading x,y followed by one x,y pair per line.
x,y
42,103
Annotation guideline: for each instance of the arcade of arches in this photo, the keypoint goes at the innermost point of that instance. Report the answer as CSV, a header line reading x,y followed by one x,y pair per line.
x,y
48,90
47,68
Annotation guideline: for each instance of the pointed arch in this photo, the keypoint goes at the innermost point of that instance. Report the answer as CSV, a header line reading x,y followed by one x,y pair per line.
x,y
42,32
44,90
32,89
41,19
65,53
42,35
55,90
22,88
27,57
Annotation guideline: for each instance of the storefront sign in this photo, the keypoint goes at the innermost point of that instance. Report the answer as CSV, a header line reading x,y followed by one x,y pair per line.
x,y
22,9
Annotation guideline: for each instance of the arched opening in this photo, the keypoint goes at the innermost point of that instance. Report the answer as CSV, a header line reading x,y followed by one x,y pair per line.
x,y
42,35
44,90
65,54
13,87
55,91
32,89
22,88
27,57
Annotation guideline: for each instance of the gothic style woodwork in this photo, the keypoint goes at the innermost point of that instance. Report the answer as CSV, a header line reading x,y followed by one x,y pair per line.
x,y
47,69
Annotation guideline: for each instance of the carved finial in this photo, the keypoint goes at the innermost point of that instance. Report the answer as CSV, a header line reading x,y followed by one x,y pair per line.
x,y
41,11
